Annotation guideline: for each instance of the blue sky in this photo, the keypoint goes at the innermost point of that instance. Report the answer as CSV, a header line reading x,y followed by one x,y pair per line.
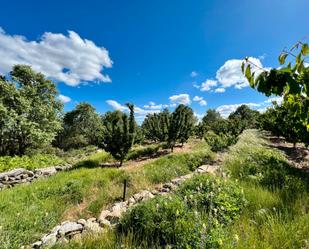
x,y
164,52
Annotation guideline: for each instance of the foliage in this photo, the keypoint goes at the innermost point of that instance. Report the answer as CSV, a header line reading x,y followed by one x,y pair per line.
x,y
156,125
119,133
266,167
291,82
81,127
277,212
219,142
168,167
29,162
145,151
182,121
187,219
29,111
170,127
94,160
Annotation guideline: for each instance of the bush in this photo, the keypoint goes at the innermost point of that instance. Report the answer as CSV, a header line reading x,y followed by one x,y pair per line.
x,y
170,166
29,162
254,162
192,217
221,199
219,142
147,151
162,221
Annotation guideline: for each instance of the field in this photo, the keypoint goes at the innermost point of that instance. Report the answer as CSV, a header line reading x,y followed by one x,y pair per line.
x,y
28,211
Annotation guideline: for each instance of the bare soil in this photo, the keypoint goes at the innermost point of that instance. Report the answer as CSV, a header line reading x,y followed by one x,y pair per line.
x,y
298,156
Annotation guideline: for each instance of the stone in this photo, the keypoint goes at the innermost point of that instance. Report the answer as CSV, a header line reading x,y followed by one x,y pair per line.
x,y
93,227
144,195
104,223
46,171
49,240
69,227
56,229
37,244
82,222
104,214
16,172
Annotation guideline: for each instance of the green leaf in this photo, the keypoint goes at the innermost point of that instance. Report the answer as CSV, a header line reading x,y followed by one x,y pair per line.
x,y
305,49
282,58
243,67
248,73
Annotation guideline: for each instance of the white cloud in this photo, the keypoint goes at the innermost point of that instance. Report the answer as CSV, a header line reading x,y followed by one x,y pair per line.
x,y
203,103
225,110
123,108
194,74
69,59
220,90
196,85
64,99
197,98
152,105
230,73
116,105
200,100
276,99
208,84
180,99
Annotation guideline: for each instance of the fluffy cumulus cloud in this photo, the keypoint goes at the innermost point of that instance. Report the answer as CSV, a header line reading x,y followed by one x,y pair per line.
x,y
208,84
153,106
64,99
140,111
180,99
225,110
200,100
230,73
66,58
220,90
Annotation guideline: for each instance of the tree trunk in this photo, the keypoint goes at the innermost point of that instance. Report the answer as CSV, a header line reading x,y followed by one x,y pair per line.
x,y
120,163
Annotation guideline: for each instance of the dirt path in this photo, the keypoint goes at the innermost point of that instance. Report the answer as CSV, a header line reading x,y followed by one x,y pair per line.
x,y
298,156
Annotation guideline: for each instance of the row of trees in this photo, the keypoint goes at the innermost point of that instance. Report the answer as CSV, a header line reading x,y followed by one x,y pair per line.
x,y
291,81
31,117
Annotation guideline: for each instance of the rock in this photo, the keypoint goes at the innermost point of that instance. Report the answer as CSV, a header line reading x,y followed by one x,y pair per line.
x,y
169,185
104,223
104,214
82,222
37,244
69,228
16,172
46,171
56,229
49,240
144,195
131,201
92,227
164,190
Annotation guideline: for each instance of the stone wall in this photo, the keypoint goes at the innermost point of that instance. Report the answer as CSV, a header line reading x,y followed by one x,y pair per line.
x,y
108,218
18,176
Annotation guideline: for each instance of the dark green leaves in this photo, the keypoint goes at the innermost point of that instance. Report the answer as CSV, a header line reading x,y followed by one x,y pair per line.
x,y
282,58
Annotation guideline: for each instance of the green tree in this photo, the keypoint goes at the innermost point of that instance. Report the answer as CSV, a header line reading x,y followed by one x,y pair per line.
x,y
119,133
290,81
210,119
29,111
156,126
81,127
181,125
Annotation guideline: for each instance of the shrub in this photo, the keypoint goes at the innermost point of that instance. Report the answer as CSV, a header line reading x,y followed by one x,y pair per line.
x,y
170,166
29,162
221,199
219,142
163,221
147,151
193,217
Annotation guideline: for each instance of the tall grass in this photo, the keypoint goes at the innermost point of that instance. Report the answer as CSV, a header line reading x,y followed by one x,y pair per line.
x,y
278,212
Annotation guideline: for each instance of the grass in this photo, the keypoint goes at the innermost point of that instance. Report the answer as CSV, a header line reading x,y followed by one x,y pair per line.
x,y
29,211
277,215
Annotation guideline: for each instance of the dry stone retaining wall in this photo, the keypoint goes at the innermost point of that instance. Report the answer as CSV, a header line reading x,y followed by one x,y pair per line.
x,y
108,218
18,176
